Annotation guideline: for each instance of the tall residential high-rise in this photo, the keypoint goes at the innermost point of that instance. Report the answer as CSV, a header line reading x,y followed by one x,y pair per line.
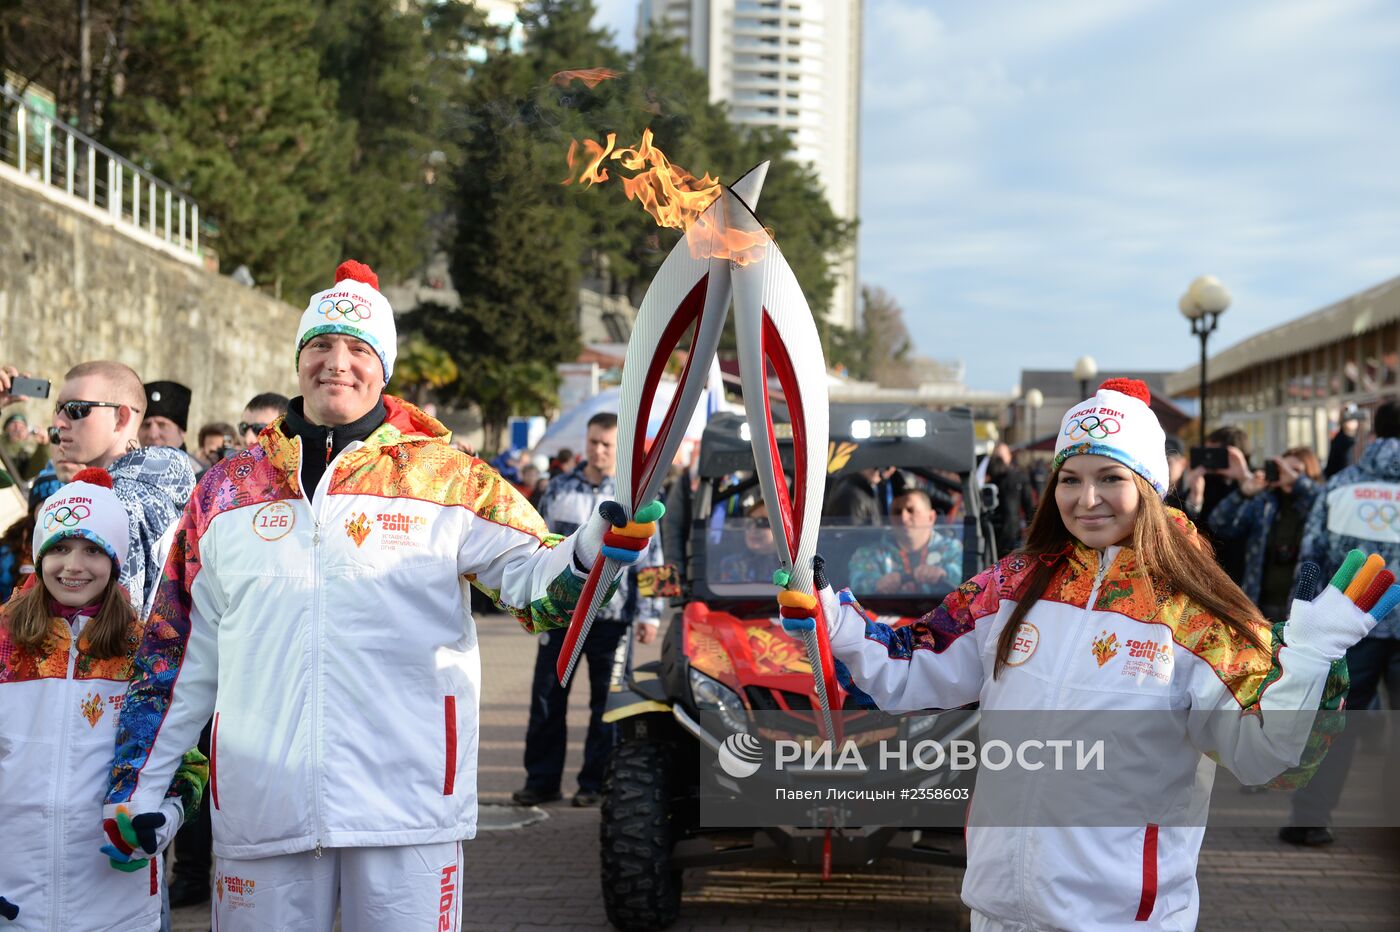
x,y
793,64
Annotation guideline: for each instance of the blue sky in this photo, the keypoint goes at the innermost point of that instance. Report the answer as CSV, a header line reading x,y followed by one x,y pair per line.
x,y
1042,180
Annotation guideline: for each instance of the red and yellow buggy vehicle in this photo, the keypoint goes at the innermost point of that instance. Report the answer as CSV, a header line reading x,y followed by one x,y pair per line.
x,y
726,661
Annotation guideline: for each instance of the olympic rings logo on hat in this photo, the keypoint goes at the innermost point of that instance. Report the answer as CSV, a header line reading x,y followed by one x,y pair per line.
x,y
344,309
1093,427
66,516
1380,517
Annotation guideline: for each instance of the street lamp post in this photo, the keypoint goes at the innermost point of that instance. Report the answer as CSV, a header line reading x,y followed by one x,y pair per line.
x,y
1084,370
1202,304
1034,399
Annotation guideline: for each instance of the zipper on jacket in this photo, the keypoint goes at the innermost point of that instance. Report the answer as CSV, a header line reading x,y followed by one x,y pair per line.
x,y
56,872
316,677
316,522
1033,798
314,724
1105,563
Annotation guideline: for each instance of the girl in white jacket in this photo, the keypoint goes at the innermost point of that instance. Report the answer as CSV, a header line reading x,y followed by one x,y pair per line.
x,y
1114,604
66,646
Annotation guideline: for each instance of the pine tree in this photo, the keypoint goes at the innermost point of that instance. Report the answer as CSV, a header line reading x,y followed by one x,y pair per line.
x,y
227,101
377,53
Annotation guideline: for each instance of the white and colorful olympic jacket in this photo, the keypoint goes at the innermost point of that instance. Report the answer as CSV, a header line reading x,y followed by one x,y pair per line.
x,y
1104,636
58,724
329,634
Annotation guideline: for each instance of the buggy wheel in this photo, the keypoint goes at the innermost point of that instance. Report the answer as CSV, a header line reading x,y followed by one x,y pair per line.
x,y
641,890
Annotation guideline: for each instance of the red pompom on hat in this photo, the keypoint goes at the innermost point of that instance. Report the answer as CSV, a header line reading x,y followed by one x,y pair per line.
x,y
356,271
94,475
1133,388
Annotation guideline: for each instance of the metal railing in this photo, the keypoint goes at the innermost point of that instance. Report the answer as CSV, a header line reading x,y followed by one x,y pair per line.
x,y
48,150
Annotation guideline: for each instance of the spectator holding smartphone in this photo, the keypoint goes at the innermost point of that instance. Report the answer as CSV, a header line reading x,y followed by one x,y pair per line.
x,y
1265,514
1208,487
98,412
26,449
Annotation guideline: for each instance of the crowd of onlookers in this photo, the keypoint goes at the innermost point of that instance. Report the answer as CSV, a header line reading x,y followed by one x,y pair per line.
x,y
105,416
1262,516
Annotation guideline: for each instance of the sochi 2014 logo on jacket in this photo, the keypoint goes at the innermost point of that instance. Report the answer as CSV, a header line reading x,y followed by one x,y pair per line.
x,y
358,528
398,531
1105,647
1147,657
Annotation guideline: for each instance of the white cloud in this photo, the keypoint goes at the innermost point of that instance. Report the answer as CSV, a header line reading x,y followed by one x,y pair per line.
x,y
1065,169
1042,179
621,17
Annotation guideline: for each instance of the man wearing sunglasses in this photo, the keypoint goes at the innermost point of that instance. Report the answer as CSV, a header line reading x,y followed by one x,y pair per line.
x,y
97,416
261,411
316,605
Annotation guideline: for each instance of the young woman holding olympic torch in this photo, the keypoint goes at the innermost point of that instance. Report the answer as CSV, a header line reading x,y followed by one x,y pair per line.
x,y
1114,603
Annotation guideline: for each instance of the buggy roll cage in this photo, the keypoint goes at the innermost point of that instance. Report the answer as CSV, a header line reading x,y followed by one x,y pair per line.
x,y
866,436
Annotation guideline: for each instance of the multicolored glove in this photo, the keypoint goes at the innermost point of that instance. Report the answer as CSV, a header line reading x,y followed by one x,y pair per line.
x,y
1361,593
135,839
798,610
609,534
9,910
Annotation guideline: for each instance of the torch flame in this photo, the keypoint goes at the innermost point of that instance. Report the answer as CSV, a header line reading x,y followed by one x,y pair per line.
x,y
592,77
671,195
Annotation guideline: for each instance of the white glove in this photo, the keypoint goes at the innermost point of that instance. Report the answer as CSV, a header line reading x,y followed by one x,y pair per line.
x,y
1360,593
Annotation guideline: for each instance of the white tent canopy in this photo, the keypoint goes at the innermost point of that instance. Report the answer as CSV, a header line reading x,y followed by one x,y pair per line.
x,y
570,429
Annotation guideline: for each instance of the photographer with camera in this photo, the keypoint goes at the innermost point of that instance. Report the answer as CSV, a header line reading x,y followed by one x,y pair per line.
x,y
216,441
98,414
26,449
1266,514
1210,481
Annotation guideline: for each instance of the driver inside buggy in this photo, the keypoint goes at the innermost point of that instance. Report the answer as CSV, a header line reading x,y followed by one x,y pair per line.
x,y
751,563
914,556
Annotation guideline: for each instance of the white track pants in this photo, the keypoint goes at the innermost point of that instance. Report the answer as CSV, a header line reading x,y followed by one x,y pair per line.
x,y
981,922
376,889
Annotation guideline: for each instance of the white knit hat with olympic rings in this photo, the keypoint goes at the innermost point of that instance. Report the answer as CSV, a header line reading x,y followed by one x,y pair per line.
x,y
1118,423
87,508
353,306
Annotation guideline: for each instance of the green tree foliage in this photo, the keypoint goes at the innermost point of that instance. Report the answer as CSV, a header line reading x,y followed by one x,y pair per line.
x,y
518,247
419,368
507,389
76,49
379,55
524,240
227,101
880,350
